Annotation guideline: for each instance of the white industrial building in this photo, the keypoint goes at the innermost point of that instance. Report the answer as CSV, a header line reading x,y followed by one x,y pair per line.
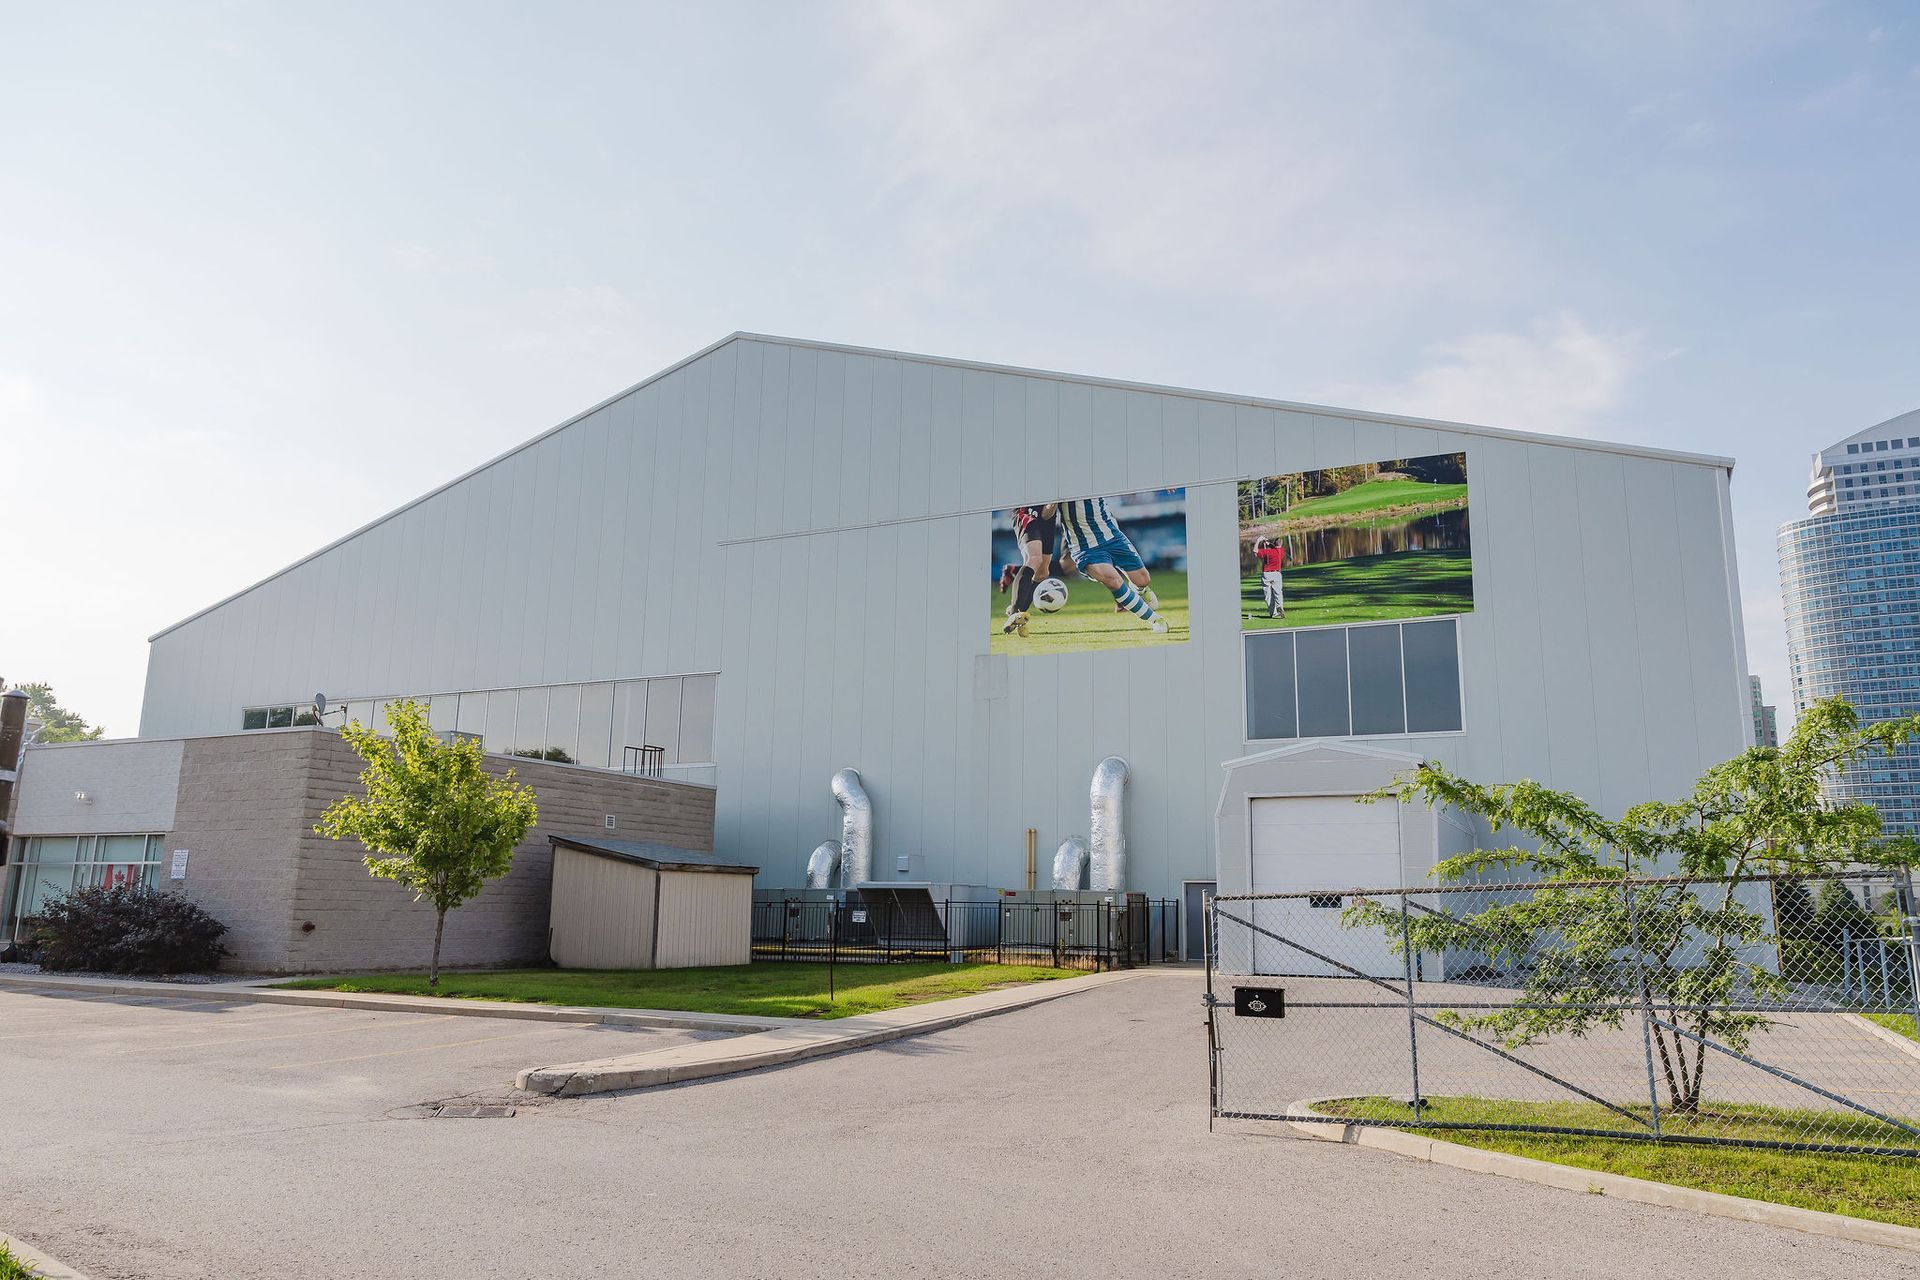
x,y
767,563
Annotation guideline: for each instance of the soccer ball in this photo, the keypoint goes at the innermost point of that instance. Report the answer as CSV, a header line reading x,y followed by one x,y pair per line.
x,y
1050,595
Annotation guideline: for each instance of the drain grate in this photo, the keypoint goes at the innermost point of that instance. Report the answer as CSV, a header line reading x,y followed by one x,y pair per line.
x,y
472,1112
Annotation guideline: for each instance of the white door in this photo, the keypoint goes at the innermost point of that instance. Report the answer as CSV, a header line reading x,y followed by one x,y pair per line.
x,y
1330,844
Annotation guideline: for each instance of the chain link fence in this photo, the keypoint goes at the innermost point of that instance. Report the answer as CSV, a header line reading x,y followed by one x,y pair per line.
x,y
1770,1012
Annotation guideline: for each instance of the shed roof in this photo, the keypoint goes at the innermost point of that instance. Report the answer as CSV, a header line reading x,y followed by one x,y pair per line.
x,y
660,857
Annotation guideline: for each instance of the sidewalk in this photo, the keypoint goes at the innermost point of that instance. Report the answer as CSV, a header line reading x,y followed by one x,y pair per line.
x,y
258,991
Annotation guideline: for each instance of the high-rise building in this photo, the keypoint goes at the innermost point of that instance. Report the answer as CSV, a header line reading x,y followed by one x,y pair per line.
x,y
1850,583
1766,726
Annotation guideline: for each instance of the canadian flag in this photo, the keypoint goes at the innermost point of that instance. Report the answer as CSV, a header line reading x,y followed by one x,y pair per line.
x,y
119,876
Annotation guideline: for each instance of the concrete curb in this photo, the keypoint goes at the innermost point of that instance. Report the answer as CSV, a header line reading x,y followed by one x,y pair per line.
x,y
1878,1032
793,1043
247,993
1620,1186
42,1265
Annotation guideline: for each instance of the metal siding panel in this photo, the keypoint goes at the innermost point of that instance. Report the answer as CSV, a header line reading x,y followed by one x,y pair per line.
x,y
1021,441
946,655
797,444
1653,533
885,469
1108,442
1502,506
1722,724
664,402
1219,442
1179,444
828,461
1078,478
979,393
853,504
1565,630
719,516
1620,712
1333,443
943,443
766,368
914,493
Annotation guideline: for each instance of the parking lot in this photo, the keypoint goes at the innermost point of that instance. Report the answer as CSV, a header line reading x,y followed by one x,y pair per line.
x,y
168,1140
127,1056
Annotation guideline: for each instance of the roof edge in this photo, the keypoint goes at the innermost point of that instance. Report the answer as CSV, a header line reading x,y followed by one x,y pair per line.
x,y
952,362
439,489
584,844
1260,402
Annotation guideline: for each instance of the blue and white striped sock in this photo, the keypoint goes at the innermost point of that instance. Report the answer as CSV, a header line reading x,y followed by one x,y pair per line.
x,y
1129,598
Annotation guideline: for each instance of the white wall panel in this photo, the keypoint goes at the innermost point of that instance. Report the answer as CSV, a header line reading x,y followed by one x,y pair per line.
x,y
811,523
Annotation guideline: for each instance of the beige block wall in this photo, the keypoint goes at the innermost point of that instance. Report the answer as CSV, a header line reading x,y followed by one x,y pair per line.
x,y
248,803
239,814
705,918
602,912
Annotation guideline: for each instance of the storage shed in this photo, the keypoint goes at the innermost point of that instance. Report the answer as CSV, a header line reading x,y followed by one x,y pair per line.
x,y
629,904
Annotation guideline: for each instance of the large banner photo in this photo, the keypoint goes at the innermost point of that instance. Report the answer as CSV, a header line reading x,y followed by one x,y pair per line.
x,y
1365,543
1079,574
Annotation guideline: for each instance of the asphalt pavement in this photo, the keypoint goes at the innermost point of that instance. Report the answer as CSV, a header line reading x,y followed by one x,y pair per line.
x,y
157,1138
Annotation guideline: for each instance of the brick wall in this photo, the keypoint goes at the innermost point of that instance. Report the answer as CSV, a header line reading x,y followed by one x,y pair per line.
x,y
255,800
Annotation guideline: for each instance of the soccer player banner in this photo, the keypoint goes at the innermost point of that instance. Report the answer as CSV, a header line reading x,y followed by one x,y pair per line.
x,y
1364,543
1072,575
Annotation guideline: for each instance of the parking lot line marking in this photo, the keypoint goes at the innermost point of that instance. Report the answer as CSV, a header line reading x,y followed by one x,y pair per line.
x,y
425,1048
285,1035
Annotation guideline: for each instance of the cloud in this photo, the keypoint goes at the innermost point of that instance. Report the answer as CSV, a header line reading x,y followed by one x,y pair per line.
x,y
1560,374
1107,140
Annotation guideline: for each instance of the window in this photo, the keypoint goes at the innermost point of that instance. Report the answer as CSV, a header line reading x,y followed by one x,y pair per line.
x,y
48,866
1381,679
588,724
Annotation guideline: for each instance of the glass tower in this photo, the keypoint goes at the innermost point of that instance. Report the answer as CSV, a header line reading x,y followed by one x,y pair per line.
x,y
1850,583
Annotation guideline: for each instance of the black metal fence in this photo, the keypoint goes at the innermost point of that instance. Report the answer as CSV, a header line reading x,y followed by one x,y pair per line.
x,y
1773,1011
881,929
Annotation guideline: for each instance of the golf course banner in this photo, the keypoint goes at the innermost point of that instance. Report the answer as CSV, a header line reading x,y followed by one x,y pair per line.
x,y
1074,575
1369,542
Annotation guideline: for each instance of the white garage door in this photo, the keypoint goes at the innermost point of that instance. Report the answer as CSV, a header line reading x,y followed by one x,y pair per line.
x,y
1313,843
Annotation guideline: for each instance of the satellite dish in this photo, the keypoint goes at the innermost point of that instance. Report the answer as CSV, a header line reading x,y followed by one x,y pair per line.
x,y
319,704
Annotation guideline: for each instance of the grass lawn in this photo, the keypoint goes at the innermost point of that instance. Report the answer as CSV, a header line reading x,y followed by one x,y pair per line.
x,y
11,1268
1089,621
1897,1022
1884,1188
770,989
1402,584
1374,495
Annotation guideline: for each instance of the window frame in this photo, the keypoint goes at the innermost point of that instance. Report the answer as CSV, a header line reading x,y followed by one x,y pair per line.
x,y
1460,673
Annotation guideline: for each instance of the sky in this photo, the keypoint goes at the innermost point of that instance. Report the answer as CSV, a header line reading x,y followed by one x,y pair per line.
x,y
268,271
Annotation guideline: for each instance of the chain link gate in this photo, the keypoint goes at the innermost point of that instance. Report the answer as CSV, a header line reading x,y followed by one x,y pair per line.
x,y
1776,1011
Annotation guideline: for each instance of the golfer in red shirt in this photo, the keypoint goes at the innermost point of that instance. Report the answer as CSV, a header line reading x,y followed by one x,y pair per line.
x,y
1272,557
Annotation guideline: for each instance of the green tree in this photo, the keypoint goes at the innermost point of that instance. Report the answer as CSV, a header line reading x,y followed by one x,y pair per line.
x,y
1840,914
1591,948
57,724
432,817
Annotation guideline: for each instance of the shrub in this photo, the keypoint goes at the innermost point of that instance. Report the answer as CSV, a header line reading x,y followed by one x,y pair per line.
x,y
127,929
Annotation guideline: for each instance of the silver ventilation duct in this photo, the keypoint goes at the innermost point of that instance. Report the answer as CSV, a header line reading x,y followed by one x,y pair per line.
x,y
824,861
856,829
1070,863
1108,867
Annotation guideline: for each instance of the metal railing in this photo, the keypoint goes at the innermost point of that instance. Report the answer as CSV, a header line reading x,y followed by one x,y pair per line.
x,y
1770,1011
646,761
1124,933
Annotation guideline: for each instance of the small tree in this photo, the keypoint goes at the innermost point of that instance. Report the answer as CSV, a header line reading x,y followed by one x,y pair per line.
x,y
1590,946
57,724
433,818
